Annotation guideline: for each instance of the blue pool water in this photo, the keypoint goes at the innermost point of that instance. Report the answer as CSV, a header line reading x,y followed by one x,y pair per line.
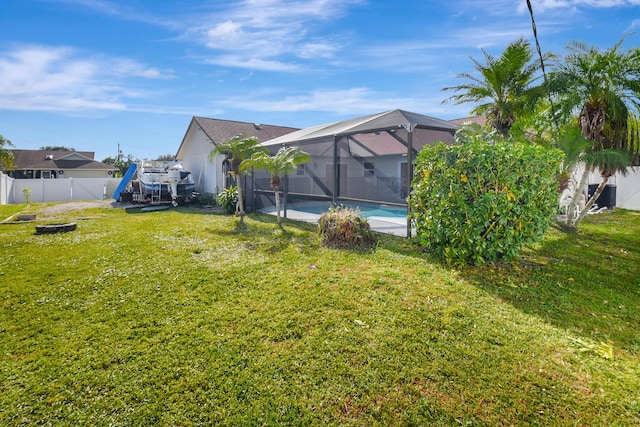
x,y
366,210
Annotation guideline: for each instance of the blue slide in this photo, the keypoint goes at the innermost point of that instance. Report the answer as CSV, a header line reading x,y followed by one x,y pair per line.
x,y
125,181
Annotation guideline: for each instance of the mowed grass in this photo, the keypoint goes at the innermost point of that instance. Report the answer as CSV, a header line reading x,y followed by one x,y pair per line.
x,y
185,317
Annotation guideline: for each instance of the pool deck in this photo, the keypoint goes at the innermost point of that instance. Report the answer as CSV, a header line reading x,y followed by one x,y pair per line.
x,y
395,226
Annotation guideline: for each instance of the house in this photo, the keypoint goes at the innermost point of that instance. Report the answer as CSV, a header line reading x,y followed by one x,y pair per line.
x,y
49,164
201,137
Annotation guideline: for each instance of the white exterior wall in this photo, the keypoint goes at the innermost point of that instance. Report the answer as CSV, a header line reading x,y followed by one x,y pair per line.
x,y
195,159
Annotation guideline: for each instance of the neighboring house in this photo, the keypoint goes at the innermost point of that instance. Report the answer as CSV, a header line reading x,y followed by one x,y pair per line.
x,y
481,120
49,164
201,137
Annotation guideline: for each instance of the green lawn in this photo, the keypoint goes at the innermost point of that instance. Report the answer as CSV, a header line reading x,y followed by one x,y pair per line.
x,y
185,317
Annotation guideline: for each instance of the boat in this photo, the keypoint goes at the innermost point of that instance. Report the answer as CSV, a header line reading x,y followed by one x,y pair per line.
x,y
160,182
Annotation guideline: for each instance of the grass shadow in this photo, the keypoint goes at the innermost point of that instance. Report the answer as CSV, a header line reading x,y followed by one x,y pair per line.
x,y
404,246
259,231
586,282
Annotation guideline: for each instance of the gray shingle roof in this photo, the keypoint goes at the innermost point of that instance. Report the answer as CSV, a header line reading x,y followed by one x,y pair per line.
x,y
218,130
57,159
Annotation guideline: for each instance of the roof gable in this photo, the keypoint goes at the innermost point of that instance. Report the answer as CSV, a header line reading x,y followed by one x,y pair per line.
x,y
74,156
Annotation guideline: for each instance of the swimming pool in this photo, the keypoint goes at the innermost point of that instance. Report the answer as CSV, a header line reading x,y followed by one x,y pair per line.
x,y
367,210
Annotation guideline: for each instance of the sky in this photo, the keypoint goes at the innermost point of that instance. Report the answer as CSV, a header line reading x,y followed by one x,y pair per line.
x,y
96,75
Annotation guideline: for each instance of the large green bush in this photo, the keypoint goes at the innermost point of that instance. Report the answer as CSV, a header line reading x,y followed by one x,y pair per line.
x,y
479,203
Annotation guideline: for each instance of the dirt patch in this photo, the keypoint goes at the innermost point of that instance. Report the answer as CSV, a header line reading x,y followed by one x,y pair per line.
x,y
75,206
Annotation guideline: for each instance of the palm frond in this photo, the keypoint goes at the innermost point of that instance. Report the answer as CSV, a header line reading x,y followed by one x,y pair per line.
x,y
239,148
282,163
504,86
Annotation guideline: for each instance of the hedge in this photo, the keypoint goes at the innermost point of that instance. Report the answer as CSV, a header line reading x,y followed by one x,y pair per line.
x,y
479,203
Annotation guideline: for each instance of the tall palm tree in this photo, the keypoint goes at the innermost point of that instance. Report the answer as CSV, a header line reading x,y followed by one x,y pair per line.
x,y
506,88
601,88
282,163
239,148
6,156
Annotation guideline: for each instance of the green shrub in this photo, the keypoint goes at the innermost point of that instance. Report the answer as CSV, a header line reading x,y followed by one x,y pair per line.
x,y
344,228
206,199
479,203
228,199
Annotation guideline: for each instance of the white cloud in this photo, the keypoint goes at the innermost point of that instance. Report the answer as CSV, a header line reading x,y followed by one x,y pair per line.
x,y
60,79
126,11
130,68
103,6
313,50
544,5
634,24
353,101
226,35
239,61
507,7
261,33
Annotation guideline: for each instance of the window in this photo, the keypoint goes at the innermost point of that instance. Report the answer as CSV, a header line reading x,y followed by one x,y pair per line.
x,y
46,174
300,170
368,169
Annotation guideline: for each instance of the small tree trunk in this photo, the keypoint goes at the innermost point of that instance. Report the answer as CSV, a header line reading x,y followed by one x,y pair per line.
x,y
592,200
240,204
278,207
576,197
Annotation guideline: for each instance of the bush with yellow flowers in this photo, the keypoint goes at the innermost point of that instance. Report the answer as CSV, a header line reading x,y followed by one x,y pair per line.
x,y
481,202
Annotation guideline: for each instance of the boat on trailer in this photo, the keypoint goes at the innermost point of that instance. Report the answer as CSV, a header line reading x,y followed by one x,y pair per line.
x,y
162,182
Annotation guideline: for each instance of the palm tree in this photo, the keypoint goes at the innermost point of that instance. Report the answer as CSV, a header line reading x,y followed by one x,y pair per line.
x,y
506,88
282,163
239,148
6,156
579,151
603,89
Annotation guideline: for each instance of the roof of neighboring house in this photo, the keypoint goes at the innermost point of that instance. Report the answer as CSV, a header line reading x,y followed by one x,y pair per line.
x,y
218,130
481,120
57,159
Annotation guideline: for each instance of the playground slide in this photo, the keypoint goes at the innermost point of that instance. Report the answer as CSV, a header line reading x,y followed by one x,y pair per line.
x,y
125,181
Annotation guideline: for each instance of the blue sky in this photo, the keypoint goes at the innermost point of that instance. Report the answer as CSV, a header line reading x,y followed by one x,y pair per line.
x,y
92,74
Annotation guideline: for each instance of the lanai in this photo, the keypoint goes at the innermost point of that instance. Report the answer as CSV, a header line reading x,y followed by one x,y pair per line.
x,y
360,160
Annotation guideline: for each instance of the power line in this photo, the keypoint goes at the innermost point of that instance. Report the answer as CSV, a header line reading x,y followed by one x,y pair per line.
x,y
544,74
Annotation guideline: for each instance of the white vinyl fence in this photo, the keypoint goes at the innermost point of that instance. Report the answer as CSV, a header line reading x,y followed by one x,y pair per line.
x,y
65,189
627,188
6,184
56,190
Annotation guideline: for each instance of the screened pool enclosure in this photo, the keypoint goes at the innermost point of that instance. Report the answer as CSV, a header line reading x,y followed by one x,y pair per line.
x,y
358,161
